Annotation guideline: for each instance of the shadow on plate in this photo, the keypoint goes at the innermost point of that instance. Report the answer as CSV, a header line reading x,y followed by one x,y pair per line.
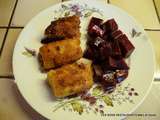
x,y
26,107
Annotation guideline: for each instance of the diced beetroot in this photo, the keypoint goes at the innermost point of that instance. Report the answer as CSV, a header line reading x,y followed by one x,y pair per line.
x,y
107,46
108,80
116,51
95,31
125,45
92,54
116,34
110,26
97,43
121,65
105,37
115,64
121,75
102,49
105,50
108,64
89,53
93,28
98,72
95,21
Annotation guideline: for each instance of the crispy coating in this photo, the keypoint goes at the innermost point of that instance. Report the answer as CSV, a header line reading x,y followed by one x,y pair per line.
x,y
59,53
67,27
71,79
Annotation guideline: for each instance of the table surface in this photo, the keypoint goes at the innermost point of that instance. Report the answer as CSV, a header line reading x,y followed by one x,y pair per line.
x,y
13,18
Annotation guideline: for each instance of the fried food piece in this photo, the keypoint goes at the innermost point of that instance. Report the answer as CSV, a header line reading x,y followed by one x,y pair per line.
x,y
71,79
59,53
67,27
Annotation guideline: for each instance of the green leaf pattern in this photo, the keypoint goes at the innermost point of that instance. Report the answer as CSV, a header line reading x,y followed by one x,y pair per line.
x,y
77,107
107,100
97,91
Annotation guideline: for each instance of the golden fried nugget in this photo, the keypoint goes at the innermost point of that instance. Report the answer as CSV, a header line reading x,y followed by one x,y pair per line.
x,y
59,53
71,79
67,27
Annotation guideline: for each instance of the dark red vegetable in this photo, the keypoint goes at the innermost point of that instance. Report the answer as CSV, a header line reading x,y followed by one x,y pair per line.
x,y
108,80
105,50
121,65
106,37
116,51
89,53
115,64
125,45
110,26
107,47
92,54
95,31
116,34
93,28
98,72
95,21
97,43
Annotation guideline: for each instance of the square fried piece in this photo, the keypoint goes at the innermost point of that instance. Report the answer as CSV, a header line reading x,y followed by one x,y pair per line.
x,y
67,27
59,53
71,79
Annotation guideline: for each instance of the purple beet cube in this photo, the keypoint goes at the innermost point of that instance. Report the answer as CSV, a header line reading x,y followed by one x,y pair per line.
x,y
95,21
121,65
125,45
115,64
105,50
98,72
109,64
108,80
116,34
97,43
116,51
93,27
110,26
106,37
89,53
95,31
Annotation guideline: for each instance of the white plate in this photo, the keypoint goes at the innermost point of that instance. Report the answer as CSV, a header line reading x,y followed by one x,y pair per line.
x,y
31,82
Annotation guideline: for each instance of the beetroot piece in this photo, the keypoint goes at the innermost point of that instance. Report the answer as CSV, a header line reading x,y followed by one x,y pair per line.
x,y
95,31
93,28
108,80
98,72
107,47
115,64
110,26
95,21
116,34
92,54
89,53
105,50
110,64
125,45
121,75
116,51
106,37
121,65
97,43
102,49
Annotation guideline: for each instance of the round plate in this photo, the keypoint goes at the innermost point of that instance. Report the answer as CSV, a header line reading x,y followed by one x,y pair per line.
x,y
126,97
